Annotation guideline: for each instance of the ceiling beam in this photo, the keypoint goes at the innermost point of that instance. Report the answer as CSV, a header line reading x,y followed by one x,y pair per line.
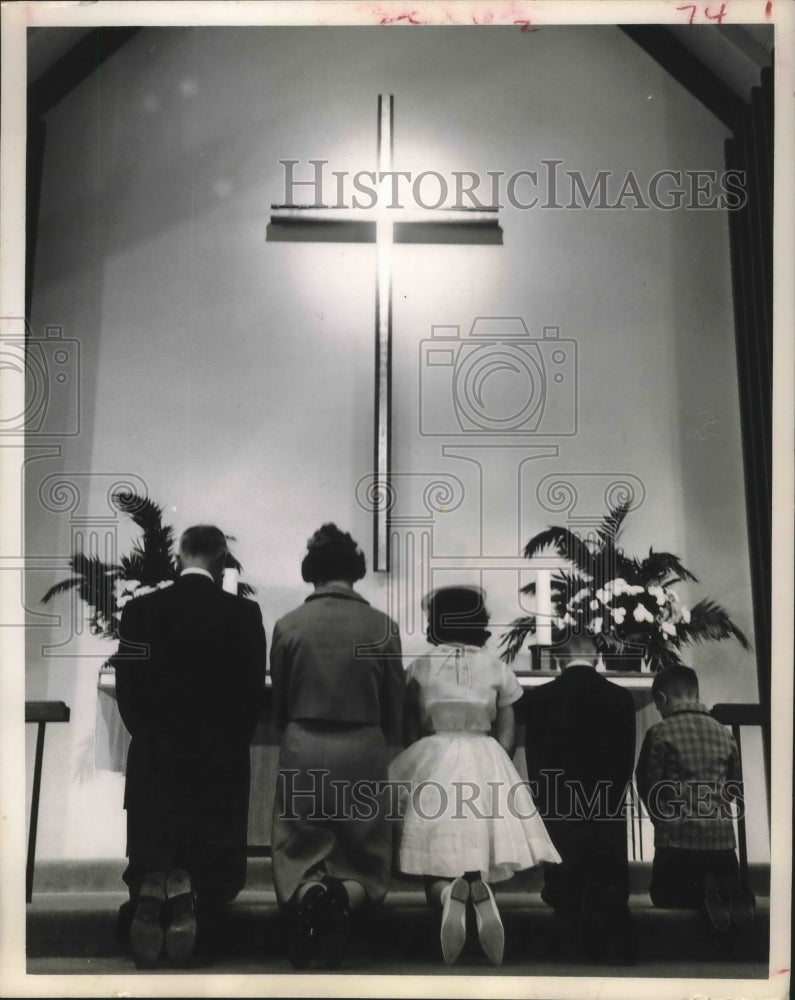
x,y
688,70
75,66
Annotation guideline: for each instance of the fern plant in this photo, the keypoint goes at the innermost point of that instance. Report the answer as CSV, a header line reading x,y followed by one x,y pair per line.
x,y
627,604
151,564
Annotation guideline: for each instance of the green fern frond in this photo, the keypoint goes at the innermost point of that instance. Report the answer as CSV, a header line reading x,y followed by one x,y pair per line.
x,y
61,588
709,622
657,567
516,636
565,543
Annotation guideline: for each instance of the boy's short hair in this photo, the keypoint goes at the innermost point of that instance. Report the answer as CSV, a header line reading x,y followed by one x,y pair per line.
x,y
573,642
677,681
203,540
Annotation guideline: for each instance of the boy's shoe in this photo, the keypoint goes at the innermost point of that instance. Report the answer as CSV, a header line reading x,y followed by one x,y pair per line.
x,y
592,926
717,910
146,931
181,929
742,906
487,916
454,919
621,930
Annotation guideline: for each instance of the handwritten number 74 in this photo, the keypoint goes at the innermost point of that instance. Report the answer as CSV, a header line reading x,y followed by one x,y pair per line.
x,y
693,8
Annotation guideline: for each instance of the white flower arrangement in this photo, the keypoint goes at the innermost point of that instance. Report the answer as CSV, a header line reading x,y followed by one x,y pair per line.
x,y
627,603
126,590
619,603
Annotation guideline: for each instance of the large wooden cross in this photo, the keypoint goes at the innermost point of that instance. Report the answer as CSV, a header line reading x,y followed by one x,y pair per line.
x,y
383,226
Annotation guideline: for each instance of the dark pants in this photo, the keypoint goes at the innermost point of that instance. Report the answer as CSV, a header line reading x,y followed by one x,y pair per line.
x,y
594,859
679,876
188,809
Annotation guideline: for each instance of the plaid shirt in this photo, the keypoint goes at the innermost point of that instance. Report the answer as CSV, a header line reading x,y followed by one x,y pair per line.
x,y
687,776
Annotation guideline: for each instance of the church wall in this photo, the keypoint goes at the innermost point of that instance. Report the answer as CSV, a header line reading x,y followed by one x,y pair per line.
x,y
233,377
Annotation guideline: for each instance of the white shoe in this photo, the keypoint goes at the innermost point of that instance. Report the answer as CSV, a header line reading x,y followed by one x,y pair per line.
x,y
487,916
454,919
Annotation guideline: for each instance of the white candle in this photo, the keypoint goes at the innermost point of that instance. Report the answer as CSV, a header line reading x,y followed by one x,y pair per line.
x,y
544,607
230,581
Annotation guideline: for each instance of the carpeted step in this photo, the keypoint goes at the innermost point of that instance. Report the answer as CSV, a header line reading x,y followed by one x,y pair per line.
x,y
403,933
104,875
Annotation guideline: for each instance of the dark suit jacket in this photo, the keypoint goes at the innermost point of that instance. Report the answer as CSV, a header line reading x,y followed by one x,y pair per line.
x,y
190,675
583,725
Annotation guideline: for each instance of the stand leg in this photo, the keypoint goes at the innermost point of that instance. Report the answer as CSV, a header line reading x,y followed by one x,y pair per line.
x,y
34,812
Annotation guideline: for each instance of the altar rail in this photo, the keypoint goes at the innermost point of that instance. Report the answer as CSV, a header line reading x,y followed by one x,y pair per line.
x,y
640,834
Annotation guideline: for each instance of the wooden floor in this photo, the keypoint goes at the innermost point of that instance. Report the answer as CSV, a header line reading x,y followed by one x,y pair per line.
x,y
73,932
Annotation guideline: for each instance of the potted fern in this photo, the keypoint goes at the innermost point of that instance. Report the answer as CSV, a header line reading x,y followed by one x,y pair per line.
x,y
106,587
628,604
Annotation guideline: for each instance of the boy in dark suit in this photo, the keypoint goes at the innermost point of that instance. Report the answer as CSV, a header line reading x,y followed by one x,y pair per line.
x,y
580,746
190,674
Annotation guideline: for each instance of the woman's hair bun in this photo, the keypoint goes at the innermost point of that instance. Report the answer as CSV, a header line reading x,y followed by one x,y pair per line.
x,y
332,555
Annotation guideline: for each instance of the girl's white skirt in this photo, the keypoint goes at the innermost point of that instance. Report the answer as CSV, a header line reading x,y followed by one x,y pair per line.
x,y
465,808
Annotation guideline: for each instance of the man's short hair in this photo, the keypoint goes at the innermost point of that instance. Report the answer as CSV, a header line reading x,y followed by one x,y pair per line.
x,y
677,681
203,541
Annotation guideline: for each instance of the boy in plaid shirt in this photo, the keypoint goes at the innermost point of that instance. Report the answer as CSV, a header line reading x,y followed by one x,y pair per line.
x,y
688,776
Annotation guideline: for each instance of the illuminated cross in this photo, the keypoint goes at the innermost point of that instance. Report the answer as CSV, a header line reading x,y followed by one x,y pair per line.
x,y
383,226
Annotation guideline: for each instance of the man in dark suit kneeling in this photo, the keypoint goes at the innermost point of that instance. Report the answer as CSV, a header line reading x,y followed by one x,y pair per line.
x,y
190,675
580,746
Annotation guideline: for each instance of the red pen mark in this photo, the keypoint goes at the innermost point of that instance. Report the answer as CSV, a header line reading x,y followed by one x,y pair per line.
x,y
768,9
716,17
396,18
692,9
486,18
524,25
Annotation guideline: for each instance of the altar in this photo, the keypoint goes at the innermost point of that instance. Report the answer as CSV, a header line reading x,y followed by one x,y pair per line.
x,y
112,741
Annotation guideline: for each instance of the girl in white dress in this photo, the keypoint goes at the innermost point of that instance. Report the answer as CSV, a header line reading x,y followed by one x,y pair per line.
x,y
468,819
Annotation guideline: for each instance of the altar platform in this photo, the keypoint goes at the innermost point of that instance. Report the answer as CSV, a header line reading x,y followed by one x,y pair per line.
x,y
71,930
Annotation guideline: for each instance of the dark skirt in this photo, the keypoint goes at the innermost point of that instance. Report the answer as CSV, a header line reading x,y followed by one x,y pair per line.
x,y
329,817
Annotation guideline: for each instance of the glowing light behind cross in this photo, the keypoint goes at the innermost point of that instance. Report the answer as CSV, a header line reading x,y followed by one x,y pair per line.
x,y
384,235
385,224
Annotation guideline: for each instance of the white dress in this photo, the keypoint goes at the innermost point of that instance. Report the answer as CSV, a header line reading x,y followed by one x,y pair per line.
x,y
464,805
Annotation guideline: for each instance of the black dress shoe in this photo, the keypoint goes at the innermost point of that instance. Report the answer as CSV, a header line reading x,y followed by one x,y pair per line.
x,y
146,930
716,910
181,927
742,906
336,920
592,930
124,922
620,927
308,921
